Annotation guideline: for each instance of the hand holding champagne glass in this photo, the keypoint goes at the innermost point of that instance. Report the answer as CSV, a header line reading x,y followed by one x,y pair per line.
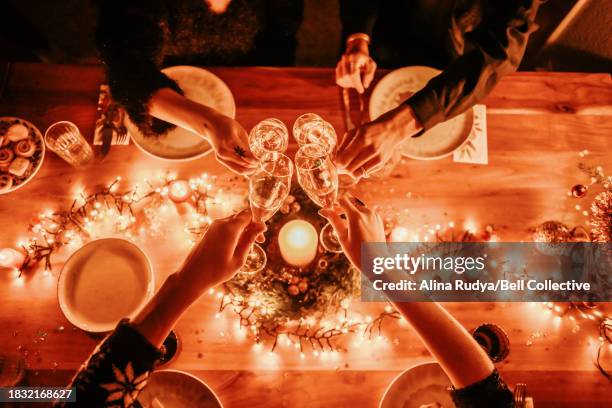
x,y
319,179
269,186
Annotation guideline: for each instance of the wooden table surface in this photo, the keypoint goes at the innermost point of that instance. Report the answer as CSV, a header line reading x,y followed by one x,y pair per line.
x,y
537,124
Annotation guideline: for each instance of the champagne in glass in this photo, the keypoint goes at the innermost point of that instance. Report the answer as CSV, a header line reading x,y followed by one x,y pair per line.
x,y
268,136
317,174
319,179
269,186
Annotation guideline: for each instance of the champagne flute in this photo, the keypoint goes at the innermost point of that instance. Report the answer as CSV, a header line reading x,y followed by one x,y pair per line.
x,y
268,136
300,122
318,178
311,128
269,186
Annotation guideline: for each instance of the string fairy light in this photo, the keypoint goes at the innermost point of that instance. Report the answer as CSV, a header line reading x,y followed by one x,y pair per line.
x,y
589,312
89,212
319,335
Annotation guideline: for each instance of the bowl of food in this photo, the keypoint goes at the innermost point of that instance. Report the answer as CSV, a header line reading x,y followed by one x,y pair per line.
x,y
22,151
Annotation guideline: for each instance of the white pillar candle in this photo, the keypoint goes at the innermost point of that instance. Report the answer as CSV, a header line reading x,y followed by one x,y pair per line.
x,y
11,258
298,242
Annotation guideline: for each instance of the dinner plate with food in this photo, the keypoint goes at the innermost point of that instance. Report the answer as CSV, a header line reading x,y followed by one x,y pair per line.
x,y
22,150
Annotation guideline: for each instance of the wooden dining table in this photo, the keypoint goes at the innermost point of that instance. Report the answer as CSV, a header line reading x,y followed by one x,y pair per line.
x,y
537,125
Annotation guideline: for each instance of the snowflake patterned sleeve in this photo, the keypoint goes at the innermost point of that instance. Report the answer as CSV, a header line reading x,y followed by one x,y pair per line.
x,y
117,371
487,393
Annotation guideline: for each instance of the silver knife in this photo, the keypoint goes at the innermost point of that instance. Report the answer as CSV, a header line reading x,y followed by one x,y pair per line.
x,y
346,107
107,131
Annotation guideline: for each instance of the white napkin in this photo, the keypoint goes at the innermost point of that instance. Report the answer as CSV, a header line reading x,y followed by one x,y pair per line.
x,y
475,149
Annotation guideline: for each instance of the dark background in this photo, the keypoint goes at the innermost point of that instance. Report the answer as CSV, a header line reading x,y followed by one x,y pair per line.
x,y
574,35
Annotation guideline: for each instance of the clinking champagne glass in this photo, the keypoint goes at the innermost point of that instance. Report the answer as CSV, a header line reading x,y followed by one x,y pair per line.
x,y
319,179
299,124
269,186
311,128
269,135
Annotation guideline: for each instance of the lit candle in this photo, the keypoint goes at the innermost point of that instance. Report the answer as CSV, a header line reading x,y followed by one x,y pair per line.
x,y
298,242
11,258
179,191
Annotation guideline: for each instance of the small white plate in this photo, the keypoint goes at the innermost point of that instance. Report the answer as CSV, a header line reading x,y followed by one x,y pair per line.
x,y
103,282
418,386
177,389
179,144
439,141
40,143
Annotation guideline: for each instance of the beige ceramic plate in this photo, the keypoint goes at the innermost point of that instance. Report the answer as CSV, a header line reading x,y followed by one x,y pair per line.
x,y
419,386
441,140
38,157
179,144
177,389
103,282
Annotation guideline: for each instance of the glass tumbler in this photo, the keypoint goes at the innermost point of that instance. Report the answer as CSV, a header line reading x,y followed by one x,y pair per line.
x,y
65,139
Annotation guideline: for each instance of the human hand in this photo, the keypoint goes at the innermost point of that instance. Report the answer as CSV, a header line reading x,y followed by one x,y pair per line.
x,y
231,144
354,62
367,148
361,225
220,254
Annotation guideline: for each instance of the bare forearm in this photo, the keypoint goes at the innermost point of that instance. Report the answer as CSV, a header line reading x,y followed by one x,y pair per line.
x,y
172,107
162,312
461,358
401,123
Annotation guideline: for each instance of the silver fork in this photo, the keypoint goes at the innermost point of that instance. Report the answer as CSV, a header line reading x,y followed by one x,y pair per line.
x,y
122,133
520,394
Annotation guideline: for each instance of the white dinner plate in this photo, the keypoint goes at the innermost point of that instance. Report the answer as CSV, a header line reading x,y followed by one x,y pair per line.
x,y
439,141
38,157
179,144
419,386
103,282
177,389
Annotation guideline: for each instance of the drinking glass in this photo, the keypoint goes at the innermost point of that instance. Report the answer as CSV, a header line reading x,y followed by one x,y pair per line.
x,y
65,139
319,132
318,178
269,186
268,136
299,123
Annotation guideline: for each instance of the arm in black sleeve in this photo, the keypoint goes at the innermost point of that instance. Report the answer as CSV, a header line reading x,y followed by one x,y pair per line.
x,y
358,16
116,372
492,49
130,40
490,392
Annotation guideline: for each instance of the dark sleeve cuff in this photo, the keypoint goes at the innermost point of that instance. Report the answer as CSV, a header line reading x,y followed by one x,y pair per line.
x,y
358,16
490,392
426,110
135,99
116,371
127,341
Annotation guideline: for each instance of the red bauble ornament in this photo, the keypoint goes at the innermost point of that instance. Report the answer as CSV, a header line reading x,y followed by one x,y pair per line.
x,y
579,190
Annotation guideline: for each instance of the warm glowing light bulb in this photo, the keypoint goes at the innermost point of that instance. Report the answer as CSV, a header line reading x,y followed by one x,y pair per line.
x,y
11,258
179,191
298,242
399,234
